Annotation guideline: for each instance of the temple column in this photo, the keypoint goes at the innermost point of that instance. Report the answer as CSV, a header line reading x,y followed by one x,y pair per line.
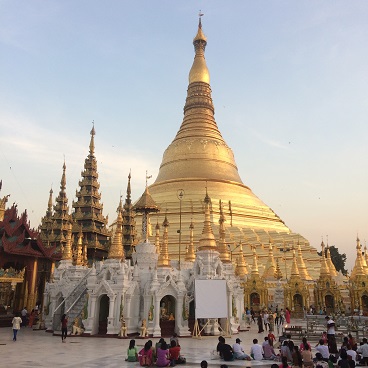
x,y
31,292
111,326
156,328
181,326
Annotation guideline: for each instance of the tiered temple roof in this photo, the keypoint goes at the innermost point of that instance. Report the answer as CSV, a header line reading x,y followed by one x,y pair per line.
x,y
88,208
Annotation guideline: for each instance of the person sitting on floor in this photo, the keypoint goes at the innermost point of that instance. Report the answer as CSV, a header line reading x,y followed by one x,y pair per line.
x,y
163,355
145,356
175,356
239,351
268,351
132,352
256,351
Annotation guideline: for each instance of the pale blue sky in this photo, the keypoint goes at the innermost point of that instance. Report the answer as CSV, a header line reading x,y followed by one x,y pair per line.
x,y
289,82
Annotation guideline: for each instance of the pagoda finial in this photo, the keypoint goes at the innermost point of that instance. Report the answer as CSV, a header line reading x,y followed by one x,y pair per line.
x,y
199,71
190,255
92,143
147,177
223,249
63,178
129,191
49,205
163,258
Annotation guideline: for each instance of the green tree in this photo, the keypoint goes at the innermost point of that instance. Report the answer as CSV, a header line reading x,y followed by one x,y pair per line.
x,y
337,259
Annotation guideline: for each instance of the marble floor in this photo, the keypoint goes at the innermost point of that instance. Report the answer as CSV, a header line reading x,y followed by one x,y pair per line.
x,y
42,349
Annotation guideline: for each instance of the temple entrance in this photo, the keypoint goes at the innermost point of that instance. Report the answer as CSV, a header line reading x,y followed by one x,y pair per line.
x,y
329,303
365,304
103,314
298,306
255,301
167,315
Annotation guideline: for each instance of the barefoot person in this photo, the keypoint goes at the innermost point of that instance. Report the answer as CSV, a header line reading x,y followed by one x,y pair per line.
x,y
64,327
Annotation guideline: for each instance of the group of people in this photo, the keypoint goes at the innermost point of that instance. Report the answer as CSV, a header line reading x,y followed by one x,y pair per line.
x,y
162,355
267,320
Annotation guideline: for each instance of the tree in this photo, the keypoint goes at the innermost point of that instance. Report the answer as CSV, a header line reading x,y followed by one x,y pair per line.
x,y
337,259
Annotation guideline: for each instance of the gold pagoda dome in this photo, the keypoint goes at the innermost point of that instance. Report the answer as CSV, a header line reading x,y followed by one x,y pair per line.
x,y
198,158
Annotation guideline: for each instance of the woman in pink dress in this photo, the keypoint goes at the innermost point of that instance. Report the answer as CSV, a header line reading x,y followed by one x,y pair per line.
x,y
287,315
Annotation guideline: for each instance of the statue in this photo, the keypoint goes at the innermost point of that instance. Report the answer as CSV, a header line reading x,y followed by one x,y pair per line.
x,y
144,331
123,328
77,329
163,311
171,317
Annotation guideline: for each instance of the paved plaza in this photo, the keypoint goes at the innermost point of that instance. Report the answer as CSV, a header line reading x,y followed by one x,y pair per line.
x,y
42,349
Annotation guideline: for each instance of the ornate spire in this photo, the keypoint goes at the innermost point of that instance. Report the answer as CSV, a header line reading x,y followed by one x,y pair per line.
x,y
88,209
301,265
270,269
324,271
199,71
222,248
79,249
128,214
358,270
207,240
255,271
92,142
241,266
3,202
116,250
190,255
278,273
330,265
163,258
294,267
54,225
157,238
146,205
67,251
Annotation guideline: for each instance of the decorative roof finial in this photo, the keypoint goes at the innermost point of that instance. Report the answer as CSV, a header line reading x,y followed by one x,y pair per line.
x,y
200,14
92,143
147,177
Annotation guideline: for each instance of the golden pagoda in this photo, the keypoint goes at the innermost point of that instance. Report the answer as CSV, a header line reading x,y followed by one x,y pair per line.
x,y
199,158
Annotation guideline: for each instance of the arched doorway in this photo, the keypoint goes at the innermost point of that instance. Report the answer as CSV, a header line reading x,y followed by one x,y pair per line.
x,y
103,314
255,301
329,303
365,304
298,305
167,315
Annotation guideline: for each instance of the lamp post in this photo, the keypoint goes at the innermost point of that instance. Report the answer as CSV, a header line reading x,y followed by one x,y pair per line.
x,y
180,194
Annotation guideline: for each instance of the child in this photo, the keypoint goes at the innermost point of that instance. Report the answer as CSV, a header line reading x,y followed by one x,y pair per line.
x,y
132,352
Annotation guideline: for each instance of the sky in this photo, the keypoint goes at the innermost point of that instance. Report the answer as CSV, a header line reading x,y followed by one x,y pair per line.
x,y
289,83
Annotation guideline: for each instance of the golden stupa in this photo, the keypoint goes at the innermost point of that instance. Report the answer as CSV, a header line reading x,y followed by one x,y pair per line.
x,y
198,159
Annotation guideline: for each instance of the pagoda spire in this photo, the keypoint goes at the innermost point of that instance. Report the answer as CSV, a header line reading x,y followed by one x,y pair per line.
x,y
324,271
331,266
92,141
358,270
128,214
67,254
157,238
270,269
241,266
146,205
278,273
163,258
301,265
88,209
3,202
222,248
54,226
255,271
294,267
190,255
207,240
116,250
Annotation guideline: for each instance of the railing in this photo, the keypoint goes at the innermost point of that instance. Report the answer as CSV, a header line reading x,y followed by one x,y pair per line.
x,y
81,284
